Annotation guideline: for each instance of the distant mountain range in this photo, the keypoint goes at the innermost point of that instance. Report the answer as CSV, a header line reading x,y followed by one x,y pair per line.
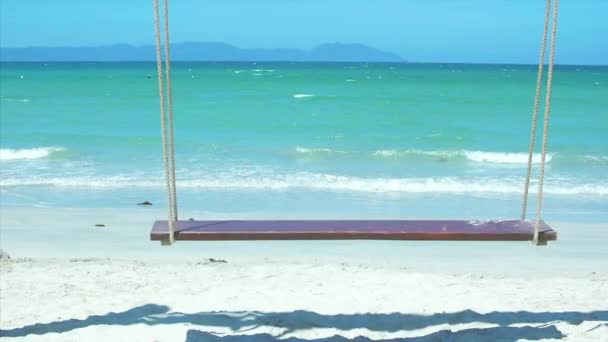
x,y
334,52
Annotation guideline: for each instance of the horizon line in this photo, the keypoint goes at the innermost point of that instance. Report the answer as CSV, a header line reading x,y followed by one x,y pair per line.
x,y
306,62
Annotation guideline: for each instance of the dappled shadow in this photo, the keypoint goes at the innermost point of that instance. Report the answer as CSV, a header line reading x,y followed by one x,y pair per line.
x,y
300,320
605,325
505,334
129,317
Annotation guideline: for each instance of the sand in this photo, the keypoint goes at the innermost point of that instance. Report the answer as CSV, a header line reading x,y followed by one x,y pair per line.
x,y
71,233
129,300
87,283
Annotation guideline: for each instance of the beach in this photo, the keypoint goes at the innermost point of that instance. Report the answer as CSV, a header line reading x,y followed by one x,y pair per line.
x,y
126,300
80,148
96,285
130,300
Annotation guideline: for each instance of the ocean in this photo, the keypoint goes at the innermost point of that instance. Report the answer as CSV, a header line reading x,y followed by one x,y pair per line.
x,y
303,140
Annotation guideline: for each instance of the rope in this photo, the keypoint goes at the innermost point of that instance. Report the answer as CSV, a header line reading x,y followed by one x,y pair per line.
x,y
168,150
539,82
170,106
547,115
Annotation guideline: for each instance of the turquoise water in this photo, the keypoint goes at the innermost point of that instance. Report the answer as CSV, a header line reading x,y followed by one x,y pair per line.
x,y
302,140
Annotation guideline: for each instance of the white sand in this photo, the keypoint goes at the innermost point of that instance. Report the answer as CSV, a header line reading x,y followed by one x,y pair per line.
x,y
70,233
74,300
121,287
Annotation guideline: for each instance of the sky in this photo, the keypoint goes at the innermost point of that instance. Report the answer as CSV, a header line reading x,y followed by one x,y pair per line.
x,y
483,31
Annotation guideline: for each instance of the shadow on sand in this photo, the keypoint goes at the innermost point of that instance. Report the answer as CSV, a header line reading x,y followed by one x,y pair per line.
x,y
485,334
240,321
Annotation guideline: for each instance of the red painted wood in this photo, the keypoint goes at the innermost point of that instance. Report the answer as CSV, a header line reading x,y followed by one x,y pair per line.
x,y
455,230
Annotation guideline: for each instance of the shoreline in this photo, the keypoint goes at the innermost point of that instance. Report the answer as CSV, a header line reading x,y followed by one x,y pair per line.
x,y
71,233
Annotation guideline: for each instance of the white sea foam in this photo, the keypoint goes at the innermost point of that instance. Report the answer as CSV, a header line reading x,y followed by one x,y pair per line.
x,y
10,99
308,150
29,153
386,153
312,150
474,156
503,157
471,156
302,96
305,181
596,159
401,153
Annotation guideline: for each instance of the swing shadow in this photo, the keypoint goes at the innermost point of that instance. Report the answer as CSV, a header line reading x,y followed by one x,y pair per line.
x,y
300,320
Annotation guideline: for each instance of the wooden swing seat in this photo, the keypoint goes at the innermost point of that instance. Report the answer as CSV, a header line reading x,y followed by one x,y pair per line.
x,y
436,230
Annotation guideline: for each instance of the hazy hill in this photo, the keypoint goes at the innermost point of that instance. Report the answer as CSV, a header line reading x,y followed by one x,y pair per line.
x,y
200,52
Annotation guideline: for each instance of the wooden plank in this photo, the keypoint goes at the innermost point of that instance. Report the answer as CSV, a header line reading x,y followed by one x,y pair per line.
x,y
449,230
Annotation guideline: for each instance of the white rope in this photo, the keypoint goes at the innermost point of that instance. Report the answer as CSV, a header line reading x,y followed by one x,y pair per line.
x,y
547,115
533,129
170,107
166,120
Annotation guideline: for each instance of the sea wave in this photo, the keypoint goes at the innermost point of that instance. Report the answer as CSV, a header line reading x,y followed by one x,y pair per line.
x,y
471,156
503,157
302,96
465,155
596,159
405,153
28,153
315,150
304,181
22,100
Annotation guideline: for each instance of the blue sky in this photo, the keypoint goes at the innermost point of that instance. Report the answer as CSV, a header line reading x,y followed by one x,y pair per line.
x,y
492,31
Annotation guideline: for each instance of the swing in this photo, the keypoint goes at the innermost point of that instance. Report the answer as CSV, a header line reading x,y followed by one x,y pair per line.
x,y
170,230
